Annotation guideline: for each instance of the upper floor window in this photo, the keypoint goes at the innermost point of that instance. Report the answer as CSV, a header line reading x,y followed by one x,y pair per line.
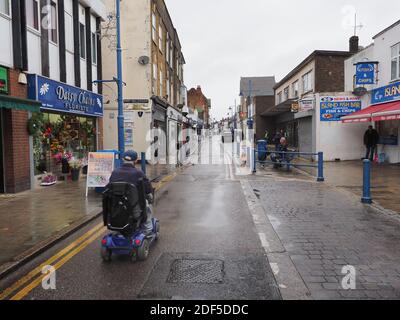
x,y
32,14
154,27
307,82
5,7
53,32
160,38
295,89
82,40
279,98
286,93
395,62
94,48
167,48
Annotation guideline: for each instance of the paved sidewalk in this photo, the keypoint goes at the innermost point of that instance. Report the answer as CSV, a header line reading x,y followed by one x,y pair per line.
x,y
29,218
324,228
385,181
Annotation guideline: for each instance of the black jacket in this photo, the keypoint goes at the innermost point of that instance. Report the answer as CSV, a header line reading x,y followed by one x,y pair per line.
x,y
128,173
371,138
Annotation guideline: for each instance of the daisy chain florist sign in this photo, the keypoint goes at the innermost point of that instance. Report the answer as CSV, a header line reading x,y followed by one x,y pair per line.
x,y
58,96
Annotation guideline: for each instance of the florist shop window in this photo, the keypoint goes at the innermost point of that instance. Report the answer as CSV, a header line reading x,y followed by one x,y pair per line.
x,y
62,137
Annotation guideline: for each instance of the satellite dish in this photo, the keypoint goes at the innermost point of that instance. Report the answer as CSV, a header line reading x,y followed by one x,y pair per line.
x,y
143,60
360,91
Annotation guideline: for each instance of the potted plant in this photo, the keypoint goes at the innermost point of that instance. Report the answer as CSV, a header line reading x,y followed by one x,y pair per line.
x,y
75,166
48,180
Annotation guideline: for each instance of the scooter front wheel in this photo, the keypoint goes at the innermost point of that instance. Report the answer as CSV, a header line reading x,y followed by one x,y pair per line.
x,y
106,254
143,251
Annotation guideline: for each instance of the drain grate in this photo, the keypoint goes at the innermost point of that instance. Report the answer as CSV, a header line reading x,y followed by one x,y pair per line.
x,y
196,271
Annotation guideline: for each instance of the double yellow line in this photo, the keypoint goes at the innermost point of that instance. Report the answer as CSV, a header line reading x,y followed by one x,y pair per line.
x,y
35,277
65,254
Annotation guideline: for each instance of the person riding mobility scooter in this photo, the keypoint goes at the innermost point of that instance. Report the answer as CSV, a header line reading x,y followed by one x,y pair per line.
x,y
127,212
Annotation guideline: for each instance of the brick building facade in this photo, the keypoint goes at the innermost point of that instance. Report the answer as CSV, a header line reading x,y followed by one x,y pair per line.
x,y
198,101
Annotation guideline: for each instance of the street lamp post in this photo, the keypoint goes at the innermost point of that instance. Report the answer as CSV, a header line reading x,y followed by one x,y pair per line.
x,y
121,136
120,83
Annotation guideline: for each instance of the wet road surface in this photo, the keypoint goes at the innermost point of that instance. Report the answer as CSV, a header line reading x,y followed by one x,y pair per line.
x,y
209,249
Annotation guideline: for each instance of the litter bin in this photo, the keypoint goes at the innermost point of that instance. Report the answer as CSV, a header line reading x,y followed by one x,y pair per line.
x,y
262,150
117,164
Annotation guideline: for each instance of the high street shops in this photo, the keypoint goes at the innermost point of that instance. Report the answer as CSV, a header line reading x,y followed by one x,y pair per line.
x,y
68,53
379,90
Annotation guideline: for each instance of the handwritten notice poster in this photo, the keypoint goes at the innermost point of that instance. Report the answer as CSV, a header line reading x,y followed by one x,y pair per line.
x,y
100,167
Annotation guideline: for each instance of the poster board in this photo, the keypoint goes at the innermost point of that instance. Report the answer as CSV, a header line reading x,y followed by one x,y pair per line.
x,y
100,168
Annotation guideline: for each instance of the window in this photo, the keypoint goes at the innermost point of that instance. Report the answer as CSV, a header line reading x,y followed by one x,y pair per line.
x,y
286,94
5,7
167,48
82,41
94,48
154,27
307,85
161,83
168,86
295,89
279,98
155,72
32,14
160,38
53,32
395,62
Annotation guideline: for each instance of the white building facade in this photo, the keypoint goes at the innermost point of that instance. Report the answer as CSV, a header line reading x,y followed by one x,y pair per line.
x,y
381,98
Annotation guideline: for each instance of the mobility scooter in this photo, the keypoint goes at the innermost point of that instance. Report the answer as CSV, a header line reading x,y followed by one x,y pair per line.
x,y
125,209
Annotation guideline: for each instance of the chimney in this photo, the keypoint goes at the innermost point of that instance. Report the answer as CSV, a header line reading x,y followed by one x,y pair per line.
x,y
354,44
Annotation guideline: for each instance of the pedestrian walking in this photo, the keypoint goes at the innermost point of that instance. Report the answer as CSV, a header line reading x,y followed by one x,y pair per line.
x,y
371,139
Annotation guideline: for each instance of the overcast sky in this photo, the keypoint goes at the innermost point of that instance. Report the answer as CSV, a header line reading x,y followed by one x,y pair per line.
x,y
223,40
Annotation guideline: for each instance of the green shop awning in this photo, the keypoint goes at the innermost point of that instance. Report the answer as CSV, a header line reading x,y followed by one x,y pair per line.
x,y
19,104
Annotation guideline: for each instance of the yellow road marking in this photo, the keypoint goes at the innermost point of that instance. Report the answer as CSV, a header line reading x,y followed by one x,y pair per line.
x,y
21,294
37,270
25,291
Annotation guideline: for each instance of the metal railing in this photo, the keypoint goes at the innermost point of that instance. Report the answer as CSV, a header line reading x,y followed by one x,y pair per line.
x,y
288,157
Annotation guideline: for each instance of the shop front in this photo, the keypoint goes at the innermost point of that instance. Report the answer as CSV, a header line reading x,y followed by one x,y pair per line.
x,y
66,127
159,132
14,138
384,113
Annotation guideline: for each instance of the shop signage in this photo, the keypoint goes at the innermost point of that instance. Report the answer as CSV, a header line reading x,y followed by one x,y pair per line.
x,y
129,117
100,168
294,107
365,73
386,94
306,105
58,96
3,80
333,108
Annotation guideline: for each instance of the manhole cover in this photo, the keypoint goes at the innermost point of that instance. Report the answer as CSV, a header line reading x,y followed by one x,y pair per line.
x,y
196,271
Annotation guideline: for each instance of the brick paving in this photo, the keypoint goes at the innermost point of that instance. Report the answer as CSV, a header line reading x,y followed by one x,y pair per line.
x,y
324,228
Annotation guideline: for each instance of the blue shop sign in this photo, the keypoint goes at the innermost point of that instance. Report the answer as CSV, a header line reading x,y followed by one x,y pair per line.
x,y
58,96
365,73
386,94
333,108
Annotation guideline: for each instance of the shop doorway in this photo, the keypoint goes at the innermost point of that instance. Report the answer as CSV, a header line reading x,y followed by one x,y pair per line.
x,y
1,153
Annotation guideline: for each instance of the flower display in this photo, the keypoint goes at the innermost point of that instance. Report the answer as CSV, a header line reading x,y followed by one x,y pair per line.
x,y
75,164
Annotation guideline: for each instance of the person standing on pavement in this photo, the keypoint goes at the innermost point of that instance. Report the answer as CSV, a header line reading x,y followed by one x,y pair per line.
x,y
130,174
371,139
